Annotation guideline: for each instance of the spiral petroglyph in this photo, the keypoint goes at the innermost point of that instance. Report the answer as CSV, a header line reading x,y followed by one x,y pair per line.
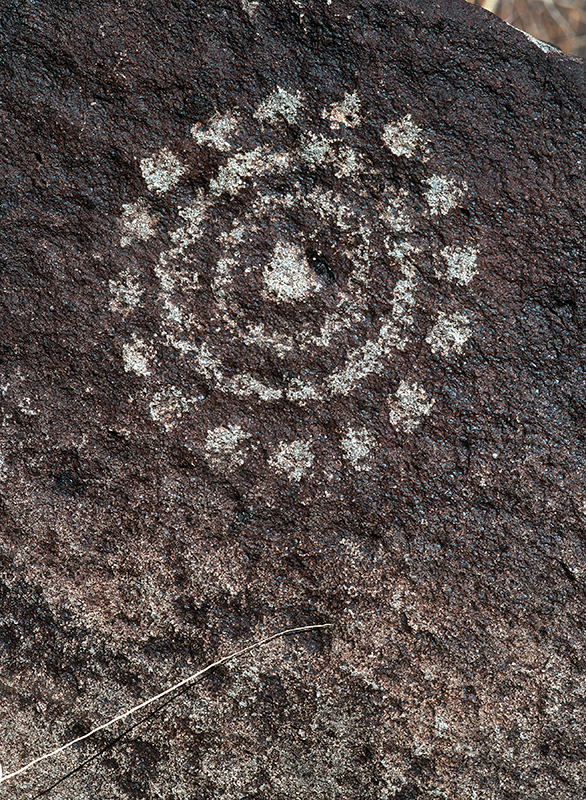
x,y
263,293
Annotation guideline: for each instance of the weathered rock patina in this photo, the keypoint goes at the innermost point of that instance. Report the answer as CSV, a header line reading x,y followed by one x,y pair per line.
x,y
293,332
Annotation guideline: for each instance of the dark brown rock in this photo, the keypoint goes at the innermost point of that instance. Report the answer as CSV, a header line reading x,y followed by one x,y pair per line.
x,y
293,332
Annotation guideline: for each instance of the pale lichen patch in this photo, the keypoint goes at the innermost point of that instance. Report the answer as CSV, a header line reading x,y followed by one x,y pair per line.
x,y
136,356
543,46
278,106
222,446
136,222
288,276
411,404
462,263
403,137
443,194
217,133
346,112
294,458
449,334
356,446
162,171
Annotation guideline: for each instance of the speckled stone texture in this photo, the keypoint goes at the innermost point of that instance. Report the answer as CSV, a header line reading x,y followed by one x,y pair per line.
x,y
292,332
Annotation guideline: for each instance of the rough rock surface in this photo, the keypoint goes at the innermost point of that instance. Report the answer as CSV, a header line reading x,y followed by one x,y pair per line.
x,y
293,312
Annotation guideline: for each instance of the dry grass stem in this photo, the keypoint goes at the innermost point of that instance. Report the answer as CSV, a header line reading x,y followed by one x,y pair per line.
x,y
145,703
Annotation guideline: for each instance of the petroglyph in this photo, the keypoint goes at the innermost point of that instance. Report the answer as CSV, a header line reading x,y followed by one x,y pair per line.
x,y
126,293
410,404
136,222
264,288
403,137
461,263
218,133
294,458
365,360
449,334
396,215
250,7
136,356
315,149
279,106
356,446
168,406
162,171
257,162
443,194
345,113
288,276
222,447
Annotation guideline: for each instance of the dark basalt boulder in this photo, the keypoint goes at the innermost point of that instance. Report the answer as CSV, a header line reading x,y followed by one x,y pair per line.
x,y
293,312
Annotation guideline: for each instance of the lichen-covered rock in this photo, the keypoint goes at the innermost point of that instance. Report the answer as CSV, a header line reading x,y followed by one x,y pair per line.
x,y
292,332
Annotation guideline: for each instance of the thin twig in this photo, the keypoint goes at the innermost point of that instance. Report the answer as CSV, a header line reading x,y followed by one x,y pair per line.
x,y
111,744
154,699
